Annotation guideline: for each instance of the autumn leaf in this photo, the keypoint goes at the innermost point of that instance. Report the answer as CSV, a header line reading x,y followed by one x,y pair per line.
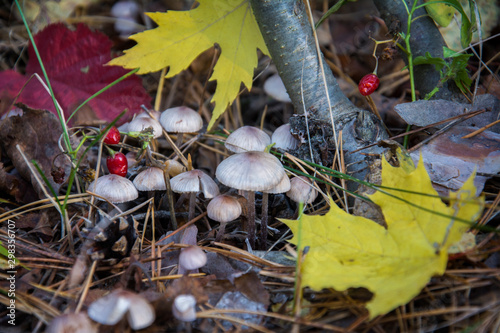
x,y
74,61
349,251
183,35
440,12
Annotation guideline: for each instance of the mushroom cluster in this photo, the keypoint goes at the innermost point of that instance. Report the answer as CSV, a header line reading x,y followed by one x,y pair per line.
x,y
251,170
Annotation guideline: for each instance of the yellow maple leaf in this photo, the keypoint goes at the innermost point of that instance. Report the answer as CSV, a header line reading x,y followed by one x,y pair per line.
x,y
349,251
182,35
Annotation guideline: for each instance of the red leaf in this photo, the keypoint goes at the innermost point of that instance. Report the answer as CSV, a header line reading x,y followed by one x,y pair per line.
x,y
74,61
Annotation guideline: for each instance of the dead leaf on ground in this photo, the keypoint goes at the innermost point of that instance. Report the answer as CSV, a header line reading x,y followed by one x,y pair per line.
x,y
423,113
451,160
37,133
75,63
12,184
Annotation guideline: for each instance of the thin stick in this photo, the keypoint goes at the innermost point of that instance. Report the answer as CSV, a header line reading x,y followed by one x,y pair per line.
x,y
86,286
159,92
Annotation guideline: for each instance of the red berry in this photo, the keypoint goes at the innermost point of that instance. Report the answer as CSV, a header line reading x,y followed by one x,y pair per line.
x,y
113,136
368,84
117,164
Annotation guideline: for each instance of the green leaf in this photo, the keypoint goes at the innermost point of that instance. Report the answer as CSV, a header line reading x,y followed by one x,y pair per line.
x,y
430,60
330,11
441,13
467,28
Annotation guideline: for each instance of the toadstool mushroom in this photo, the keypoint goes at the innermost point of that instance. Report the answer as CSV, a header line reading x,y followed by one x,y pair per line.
x,y
247,138
144,121
251,171
184,308
72,322
193,182
150,179
283,138
114,188
191,258
181,120
275,88
110,309
302,190
223,208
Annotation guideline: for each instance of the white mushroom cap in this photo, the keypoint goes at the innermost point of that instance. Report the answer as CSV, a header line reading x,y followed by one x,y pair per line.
x,y
181,119
150,179
302,190
192,257
72,322
195,181
156,114
282,187
247,138
184,308
224,208
250,171
142,122
283,138
123,127
275,88
110,309
114,188
125,9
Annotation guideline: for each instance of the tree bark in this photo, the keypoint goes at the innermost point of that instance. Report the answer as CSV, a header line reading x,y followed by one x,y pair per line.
x,y
289,37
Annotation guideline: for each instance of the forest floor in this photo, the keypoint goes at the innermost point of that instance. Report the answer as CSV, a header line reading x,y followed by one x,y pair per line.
x,y
135,256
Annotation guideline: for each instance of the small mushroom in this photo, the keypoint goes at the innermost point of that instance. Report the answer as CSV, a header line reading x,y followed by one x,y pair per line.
x,y
284,139
126,14
184,308
223,209
247,138
275,88
72,322
193,182
191,258
181,120
110,309
302,190
150,179
142,122
251,171
114,188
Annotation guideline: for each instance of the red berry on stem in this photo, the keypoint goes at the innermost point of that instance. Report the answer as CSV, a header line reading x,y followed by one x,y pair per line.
x,y
117,164
113,136
368,84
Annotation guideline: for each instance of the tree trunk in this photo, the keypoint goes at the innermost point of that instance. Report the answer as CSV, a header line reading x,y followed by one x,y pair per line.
x,y
289,37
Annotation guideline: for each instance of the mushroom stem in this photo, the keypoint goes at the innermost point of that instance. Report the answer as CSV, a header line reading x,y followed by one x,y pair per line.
x,y
263,221
192,204
178,142
220,233
251,218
